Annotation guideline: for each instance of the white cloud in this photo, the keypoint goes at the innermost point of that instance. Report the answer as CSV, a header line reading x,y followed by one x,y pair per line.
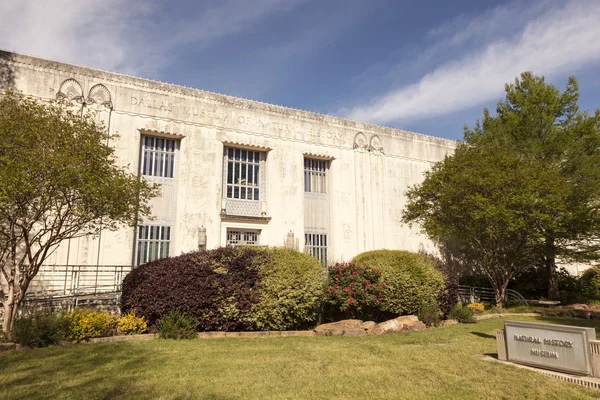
x,y
560,41
130,36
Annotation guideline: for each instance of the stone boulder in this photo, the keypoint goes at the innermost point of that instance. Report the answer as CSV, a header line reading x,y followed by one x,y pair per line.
x,y
372,328
347,327
355,327
391,326
405,323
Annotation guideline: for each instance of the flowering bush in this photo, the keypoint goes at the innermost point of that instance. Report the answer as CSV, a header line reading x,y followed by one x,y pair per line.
x,y
477,308
85,323
353,291
129,324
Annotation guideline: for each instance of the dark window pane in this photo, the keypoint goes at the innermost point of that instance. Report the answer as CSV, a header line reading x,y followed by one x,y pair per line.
x,y
230,172
255,194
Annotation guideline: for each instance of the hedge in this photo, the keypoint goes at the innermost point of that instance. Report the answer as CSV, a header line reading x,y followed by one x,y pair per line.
x,y
229,289
410,279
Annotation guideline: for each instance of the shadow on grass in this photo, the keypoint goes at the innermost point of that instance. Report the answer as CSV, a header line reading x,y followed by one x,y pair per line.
x,y
483,335
492,355
89,371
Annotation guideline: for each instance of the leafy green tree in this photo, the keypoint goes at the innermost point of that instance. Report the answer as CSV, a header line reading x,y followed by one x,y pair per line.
x,y
59,179
523,189
540,123
470,204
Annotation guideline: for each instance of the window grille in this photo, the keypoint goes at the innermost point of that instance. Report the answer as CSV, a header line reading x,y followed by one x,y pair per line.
x,y
315,175
154,242
315,244
243,174
236,237
158,156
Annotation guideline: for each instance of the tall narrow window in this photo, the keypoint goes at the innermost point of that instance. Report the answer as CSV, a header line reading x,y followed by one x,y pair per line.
x,y
243,174
158,156
315,175
153,242
315,244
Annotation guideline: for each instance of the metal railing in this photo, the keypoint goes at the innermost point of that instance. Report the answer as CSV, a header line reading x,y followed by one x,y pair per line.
x,y
69,286
472,294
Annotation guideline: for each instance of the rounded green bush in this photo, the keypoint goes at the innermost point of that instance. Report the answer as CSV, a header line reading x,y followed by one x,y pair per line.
x,y
291,289
229,289
590,280
410,279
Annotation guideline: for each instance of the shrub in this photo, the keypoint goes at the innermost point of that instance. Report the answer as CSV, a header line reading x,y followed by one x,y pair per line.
x,y
177,325
352,291
590,283
130,324
290,290
462,314
477,308
448,298
39,329
410,279
229,289
430,313
85,323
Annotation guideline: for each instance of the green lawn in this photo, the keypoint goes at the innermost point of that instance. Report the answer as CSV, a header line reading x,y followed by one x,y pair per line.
x,y
442,363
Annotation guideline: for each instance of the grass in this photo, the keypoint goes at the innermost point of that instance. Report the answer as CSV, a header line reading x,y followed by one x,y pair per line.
x,y
441,363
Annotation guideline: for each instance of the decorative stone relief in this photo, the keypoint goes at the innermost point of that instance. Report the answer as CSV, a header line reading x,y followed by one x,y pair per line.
x,y
99,94
360,141
70,89
376,144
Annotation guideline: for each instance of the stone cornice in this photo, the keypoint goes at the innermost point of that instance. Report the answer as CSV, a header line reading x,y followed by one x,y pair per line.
x,y
217,98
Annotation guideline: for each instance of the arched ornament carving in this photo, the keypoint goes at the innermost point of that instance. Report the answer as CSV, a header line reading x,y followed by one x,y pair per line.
x,y
360,141
70,89
99,94
376,144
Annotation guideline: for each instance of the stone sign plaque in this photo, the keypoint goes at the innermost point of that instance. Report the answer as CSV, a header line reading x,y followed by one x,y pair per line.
x,y
558,347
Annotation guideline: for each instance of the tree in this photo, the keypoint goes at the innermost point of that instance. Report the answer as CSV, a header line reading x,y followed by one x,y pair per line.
x,y
477,212
523,189
538,122
59,179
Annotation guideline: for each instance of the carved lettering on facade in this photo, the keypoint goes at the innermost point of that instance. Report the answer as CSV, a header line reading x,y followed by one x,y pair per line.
x,y
251,123
151,104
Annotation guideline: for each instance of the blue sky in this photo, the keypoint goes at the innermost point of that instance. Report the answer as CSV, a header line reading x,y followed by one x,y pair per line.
x,y
426,66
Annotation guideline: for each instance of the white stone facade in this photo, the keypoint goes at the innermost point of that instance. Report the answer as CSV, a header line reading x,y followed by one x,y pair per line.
x,y
365,169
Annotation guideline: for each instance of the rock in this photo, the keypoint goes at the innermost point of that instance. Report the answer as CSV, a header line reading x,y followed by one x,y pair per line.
x,y
411,323
372,328
391,326
347,327
580,306
405,323
449,322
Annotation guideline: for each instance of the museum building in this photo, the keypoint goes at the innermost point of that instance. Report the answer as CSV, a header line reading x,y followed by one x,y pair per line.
x,y
238,172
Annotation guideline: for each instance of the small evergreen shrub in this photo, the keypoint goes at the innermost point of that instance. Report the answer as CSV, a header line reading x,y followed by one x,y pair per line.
x,y
353,292
177,325
462,314
590,283
410,279
447,298
477,308
39,329
130,324
430,314
85,323
290,290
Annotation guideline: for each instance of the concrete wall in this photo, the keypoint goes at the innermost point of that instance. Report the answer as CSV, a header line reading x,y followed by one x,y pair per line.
x,y
371,166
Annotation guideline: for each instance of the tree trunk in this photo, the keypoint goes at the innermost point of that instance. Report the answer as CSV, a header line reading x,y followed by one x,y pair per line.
x,y
500,294
9,310
550,259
